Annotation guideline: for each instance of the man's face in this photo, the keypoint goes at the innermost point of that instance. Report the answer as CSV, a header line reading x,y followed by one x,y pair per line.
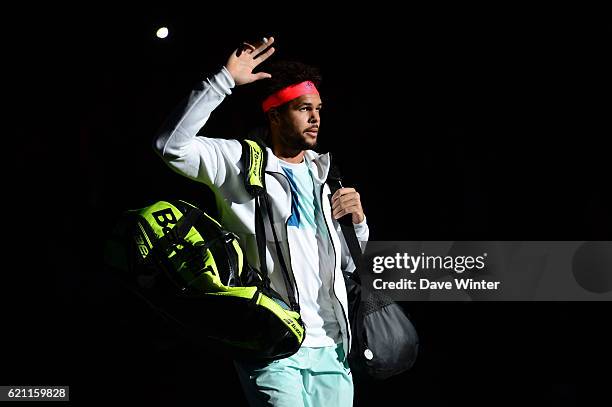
x,y
299,122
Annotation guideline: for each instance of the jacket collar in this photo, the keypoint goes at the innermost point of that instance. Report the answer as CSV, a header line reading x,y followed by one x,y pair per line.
x,y
319,164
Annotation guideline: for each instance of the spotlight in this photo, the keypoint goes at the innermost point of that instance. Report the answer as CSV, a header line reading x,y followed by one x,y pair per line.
x,y
162,32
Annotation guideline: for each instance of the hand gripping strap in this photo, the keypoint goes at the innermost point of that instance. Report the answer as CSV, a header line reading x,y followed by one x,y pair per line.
x,y
334,180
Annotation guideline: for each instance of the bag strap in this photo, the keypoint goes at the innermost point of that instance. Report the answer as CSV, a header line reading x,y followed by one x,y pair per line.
x,y
159,251
180,229
254,161
254,158
334,180
260,236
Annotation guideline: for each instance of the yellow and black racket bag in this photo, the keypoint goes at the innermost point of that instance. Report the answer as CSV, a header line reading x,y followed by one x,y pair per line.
x,y
184,263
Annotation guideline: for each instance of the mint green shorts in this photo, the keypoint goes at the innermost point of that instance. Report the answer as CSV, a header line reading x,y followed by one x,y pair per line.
x,y
312,377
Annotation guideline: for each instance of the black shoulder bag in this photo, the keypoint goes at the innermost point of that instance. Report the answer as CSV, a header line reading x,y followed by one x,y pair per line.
x,y
385,343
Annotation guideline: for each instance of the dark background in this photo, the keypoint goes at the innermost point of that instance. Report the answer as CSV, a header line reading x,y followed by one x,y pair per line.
x,y
454,124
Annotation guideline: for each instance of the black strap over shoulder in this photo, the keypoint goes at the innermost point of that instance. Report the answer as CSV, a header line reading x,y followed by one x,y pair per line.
x,y
254,158
334,180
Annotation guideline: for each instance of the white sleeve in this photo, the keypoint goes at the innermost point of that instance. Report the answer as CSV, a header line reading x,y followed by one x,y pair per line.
x,y
363,233
207,160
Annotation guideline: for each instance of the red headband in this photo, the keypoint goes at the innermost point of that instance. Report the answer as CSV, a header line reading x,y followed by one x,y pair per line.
x,y
289,93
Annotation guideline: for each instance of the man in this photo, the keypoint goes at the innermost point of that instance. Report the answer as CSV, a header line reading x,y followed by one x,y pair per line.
x,y
305,219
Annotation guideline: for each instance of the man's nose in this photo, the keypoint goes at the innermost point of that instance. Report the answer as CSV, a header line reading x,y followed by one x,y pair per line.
x,y
314,117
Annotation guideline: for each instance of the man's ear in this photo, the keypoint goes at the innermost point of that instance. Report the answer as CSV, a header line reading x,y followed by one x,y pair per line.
x,y
274,116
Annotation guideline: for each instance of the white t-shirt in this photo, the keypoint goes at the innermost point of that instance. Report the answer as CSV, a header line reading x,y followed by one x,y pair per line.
x,y
308,237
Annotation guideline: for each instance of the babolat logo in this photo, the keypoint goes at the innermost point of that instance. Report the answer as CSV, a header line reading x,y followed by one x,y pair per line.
x,y
163,218
256,159
256,155
142,247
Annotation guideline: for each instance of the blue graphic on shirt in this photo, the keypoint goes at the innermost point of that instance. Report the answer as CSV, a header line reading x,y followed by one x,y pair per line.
x,y
294,219
302,198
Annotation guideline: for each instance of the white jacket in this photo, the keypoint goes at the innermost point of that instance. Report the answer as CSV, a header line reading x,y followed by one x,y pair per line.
x,y
216,163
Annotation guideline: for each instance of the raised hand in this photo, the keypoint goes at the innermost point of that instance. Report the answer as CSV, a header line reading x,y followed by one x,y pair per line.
x,y
245,59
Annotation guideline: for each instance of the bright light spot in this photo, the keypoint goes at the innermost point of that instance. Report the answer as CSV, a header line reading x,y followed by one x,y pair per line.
x,y
162,32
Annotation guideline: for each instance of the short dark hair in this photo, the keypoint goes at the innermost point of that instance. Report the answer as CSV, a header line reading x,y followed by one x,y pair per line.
x,y
285,73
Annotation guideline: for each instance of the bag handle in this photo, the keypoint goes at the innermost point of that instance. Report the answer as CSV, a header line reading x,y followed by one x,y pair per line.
x,y
180,229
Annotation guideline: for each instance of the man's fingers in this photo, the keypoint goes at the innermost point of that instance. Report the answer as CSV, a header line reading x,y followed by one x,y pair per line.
x,y
265,43
259,53
338,213
262,75
345,201
342,191
262,57
248,48
347,196
341,212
